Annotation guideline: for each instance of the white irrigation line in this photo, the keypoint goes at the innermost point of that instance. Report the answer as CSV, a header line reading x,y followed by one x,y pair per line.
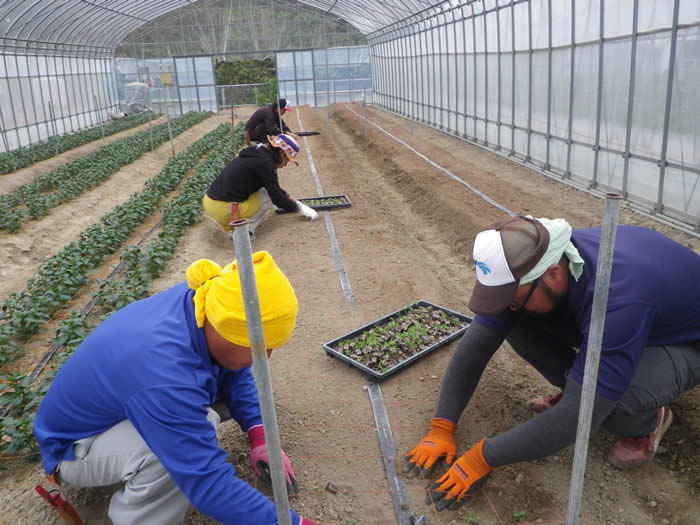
x,y
335,249
601,194
435,165
399,492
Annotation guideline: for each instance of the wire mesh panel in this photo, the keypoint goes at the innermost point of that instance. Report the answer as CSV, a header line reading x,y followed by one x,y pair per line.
x,y
43,95
324,76
592,91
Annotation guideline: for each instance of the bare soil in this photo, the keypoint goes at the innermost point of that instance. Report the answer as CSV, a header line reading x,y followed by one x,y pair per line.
x,y
407,236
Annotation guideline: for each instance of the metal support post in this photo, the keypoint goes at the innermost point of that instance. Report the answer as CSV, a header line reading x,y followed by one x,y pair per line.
x,y
261,370
595,339
233,125
2,131
167,116
364,112
102,127
53,123
150,127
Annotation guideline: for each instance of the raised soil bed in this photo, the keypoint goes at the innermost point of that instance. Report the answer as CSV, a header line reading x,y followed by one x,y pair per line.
x,y
327,202
395,341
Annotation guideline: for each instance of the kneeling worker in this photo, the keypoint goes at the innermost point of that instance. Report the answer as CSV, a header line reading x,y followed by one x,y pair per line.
x,y
248,186
132,405
535,283
266,121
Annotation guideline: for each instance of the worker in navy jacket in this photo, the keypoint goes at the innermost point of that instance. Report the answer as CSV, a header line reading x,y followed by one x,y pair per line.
x,y
133,404
535,284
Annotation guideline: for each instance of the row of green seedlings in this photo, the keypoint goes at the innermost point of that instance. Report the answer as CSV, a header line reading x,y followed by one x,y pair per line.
x,y
408,333
141,267
326,201
60,277
26,156
34,199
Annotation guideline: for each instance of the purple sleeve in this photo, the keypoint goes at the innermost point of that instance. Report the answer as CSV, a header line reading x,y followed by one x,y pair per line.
x,y
501,323
625,335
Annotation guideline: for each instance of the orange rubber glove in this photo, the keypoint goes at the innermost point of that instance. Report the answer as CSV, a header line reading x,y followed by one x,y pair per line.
x,y
439,442
463,480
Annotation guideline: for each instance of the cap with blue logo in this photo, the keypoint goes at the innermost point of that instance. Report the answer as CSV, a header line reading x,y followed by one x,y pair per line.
x,y
502,255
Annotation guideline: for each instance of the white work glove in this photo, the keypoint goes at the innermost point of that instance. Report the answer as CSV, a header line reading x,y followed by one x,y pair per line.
x,y
307,212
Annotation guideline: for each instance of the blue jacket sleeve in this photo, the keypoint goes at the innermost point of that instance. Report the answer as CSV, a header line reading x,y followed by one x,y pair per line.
x,y
172,421
237,389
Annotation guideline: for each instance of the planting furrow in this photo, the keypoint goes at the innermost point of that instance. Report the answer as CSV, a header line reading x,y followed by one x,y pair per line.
x,y
61,276
33,200
26,156
141,266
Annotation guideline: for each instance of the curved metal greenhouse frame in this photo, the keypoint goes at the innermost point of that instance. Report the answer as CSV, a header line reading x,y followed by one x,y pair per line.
x,y
599,94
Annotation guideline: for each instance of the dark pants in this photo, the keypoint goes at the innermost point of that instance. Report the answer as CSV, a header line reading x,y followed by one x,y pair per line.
x,y
663,373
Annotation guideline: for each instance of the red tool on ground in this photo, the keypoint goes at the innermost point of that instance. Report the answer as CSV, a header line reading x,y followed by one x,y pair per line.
x,y
64,509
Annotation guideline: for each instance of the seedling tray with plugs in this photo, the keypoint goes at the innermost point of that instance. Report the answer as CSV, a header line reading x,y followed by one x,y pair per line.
x,y
328,202
395,341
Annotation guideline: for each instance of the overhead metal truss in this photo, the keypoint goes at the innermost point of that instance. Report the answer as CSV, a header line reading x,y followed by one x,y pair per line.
x,y
97,27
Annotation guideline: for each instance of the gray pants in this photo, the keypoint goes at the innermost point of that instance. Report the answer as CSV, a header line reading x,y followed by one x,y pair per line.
x,y
149,495
663,373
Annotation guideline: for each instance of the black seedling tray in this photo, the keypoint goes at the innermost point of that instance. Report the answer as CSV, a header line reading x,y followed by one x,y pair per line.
x,y
344,204
333,348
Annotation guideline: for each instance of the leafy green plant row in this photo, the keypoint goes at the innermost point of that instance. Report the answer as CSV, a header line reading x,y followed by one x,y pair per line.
x,y
141,265
76,177
61,276
26,156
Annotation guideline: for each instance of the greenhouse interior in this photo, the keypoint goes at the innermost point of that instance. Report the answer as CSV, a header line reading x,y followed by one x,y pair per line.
x,y
366,172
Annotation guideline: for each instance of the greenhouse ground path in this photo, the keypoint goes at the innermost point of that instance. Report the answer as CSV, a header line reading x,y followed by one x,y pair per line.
x,y
406,237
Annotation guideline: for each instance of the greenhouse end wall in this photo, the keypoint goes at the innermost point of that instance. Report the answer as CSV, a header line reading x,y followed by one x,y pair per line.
x,y
603,93
42,96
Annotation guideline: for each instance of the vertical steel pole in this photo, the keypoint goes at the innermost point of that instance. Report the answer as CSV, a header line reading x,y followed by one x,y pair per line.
x,y
364,112
548,138
150,128
456,101
595,339
498,77
667,113
55,134
512,78
167,116
261,370
102,128
12,105
476,117
21,97
2,130
529,81
569,140
630,99
177,86
465,76
486,77
599,108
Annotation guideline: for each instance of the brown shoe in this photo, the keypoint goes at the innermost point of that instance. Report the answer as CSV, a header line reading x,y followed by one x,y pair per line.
x,y
541,404
629,452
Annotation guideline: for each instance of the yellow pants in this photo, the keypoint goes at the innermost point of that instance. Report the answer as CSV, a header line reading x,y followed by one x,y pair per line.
x,y
226,212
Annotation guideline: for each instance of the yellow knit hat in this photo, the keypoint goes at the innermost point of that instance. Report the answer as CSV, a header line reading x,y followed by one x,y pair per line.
x,y
219,299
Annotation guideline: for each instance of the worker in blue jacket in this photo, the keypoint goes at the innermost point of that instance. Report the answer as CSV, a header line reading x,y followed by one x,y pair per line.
x,y
535,284
133,403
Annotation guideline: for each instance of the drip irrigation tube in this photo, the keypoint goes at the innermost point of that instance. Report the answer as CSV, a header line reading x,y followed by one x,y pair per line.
x,y
638,208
